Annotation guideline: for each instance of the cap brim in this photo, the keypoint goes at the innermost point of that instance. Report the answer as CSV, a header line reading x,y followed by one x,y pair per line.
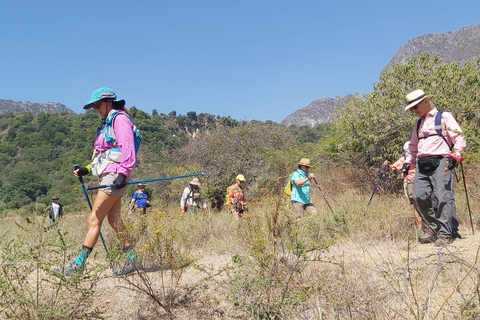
x,y
120,103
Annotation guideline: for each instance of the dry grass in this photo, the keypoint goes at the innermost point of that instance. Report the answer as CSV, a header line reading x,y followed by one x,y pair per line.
x,y
340,265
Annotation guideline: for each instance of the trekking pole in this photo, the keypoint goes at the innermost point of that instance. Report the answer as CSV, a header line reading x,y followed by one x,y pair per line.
x,y
145,181
375,189
80,178
466,195
323,194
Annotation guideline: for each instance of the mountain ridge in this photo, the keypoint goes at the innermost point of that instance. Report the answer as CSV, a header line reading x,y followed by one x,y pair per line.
x,y
10,106
461,46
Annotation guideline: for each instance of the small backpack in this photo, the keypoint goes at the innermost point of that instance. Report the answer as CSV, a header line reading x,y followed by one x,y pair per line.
x,y
288,187
227,198
110,134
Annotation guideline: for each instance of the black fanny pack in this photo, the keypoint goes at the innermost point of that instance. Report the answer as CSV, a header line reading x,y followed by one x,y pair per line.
x,y
429,164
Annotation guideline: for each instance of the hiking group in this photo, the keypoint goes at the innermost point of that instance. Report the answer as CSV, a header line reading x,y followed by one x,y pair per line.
x,y
434,149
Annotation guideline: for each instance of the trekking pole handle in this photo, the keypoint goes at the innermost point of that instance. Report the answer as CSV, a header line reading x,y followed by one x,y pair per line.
x,y
76,167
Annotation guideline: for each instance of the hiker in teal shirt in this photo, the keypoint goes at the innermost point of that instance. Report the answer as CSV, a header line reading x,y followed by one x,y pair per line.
x,y
300,196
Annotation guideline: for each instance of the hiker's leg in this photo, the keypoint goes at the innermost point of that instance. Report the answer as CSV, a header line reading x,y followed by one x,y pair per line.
x,y
418,218
101,207
297,209
115,220
310,208
443,189
422,194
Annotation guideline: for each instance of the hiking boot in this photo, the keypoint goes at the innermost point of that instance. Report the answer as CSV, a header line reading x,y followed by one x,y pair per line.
x,y
73,268
427,237
442,241
130,266
456,235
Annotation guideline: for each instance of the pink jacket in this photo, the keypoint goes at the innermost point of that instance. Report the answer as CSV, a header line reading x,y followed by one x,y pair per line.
x,y
123,128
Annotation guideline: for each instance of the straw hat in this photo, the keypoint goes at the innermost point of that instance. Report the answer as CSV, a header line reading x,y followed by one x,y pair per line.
x,y
195,182
415,97
304,162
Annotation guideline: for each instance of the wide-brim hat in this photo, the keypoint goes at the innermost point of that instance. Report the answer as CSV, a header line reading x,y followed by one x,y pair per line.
x,y
195,182
415,97
104,93
55,198
305,162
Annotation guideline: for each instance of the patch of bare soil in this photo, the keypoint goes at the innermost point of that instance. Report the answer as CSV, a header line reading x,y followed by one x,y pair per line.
x,y
401,277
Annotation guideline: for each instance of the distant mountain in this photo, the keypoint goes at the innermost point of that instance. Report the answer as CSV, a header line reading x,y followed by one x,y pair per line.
x,y
462,45
9,106
318,112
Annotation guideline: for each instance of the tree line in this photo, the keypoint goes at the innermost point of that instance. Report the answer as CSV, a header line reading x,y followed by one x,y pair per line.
x,y
37,152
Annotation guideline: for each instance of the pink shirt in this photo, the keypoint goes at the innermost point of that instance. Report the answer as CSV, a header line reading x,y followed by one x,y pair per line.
x,y
123,128
434,145
411,173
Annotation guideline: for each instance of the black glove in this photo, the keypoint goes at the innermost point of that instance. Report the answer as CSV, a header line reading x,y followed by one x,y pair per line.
x,y
452,161
120,181
82,171
406,168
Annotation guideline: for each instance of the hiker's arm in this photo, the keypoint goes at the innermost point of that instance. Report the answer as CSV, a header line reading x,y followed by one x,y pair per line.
x,y
123,128
300,182
455,134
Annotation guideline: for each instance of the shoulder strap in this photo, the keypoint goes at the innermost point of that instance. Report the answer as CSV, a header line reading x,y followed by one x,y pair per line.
x,y
108,127
438,127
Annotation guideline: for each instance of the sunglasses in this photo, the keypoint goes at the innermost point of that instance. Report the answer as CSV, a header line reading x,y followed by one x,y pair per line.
x,y
416,106
97,104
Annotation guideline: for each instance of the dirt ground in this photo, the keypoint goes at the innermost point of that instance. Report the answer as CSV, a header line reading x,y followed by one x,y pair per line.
x,y
375,261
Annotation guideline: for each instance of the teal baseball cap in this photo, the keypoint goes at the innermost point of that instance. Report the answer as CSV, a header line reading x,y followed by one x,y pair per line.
x,y
104,93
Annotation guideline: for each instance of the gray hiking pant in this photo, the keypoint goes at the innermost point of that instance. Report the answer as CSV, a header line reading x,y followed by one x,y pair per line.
x,y
434,196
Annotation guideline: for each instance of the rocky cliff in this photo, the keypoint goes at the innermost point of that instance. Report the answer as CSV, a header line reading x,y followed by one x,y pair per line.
x,y
9,106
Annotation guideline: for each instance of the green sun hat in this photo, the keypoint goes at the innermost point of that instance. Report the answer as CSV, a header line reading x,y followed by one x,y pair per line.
x,y
104,93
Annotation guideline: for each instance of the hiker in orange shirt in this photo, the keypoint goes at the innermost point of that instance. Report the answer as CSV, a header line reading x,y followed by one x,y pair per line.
x,y
237,198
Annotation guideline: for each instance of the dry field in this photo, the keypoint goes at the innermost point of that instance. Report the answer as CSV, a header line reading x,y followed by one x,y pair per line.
x,y
340,265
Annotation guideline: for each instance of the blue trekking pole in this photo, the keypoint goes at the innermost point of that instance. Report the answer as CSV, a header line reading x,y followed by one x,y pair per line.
x,y
80,178
143,181
375,189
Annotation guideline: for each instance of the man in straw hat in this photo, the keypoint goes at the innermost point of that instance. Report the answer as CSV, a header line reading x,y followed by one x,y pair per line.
x,y
140,198
436,156
192,197
300,196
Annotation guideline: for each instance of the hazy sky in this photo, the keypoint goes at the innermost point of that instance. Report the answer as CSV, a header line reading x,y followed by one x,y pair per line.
x,y
248,59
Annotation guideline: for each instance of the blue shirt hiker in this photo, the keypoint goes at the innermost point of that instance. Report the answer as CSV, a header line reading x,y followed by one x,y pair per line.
x,y
300,181
140,198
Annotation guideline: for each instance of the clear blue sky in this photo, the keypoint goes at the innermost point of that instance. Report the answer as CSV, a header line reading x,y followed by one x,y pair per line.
x,y
250,59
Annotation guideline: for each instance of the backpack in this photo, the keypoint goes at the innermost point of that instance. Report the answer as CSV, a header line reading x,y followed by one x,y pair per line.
x,y
288,187
110,134
227,198
438,127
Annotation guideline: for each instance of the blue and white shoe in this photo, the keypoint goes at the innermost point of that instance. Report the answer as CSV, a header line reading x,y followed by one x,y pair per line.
x,y
130,266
